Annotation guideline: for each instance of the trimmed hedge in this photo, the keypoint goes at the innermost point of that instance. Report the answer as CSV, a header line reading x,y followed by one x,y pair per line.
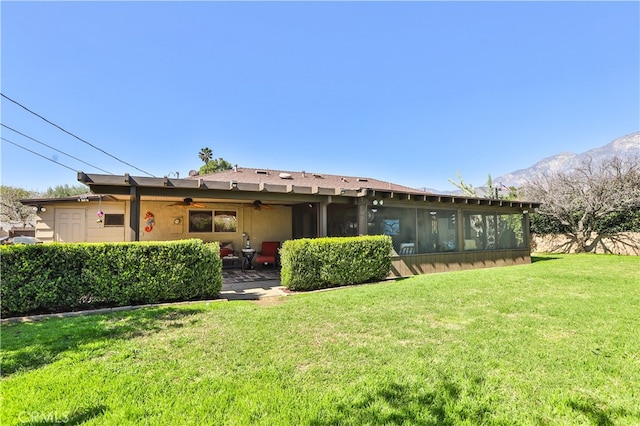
x,y
62,277
315,263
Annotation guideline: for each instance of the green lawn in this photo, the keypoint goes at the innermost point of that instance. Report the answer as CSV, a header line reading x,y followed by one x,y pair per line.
x,y
556,342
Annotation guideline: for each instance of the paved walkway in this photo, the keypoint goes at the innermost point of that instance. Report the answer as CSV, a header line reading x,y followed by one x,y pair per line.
x,y
253,284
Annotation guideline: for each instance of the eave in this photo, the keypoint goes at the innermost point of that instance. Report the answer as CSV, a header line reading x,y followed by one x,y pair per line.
x,y
238,190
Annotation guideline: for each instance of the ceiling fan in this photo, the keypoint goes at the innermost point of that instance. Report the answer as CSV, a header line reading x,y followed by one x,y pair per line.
x,y
257,204
187,202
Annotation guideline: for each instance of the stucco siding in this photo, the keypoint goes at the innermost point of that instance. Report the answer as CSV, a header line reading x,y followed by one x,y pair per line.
x,y
265,224
273,224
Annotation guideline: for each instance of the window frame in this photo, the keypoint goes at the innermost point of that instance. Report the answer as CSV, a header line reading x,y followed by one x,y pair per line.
x,y
226,212
202,229
109,216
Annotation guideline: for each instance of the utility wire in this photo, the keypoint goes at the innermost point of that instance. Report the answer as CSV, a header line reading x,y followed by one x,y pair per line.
x,y
71,134
39,155
55,149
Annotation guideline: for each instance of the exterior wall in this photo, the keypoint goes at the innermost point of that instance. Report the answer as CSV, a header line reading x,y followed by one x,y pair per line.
x,y
93,231
97,232
274,224
45,224
266,224
404,266
627,243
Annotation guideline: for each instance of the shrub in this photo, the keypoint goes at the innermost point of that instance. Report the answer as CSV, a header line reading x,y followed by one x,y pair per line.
x,y
61,277
310,264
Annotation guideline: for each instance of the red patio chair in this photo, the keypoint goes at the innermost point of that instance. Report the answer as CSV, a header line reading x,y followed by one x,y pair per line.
x,y
268,254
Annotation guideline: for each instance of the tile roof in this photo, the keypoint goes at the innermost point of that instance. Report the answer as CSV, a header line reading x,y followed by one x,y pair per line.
x,y
302,178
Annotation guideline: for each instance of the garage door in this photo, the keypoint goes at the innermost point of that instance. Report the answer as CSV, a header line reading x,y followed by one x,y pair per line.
x,y
70,225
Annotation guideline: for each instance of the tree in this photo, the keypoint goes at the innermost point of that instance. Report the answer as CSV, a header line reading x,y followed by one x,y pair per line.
x,y
492,192
215,165
466,188
205,155
589,202
211,165
12,210
61,191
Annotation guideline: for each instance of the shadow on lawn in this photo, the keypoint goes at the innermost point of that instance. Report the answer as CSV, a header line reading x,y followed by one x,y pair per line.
x,y
26,346
447,404
598,412
535,259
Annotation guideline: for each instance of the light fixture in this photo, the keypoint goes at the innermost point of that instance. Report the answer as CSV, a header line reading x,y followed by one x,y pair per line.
x,y
378,202
177,221
234,184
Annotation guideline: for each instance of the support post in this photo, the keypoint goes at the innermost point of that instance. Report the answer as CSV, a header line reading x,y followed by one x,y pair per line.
x,y
322,219
363,205
134,214
460,224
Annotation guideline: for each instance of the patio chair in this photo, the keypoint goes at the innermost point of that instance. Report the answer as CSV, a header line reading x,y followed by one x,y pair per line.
x,y
228,255
407,248
268,254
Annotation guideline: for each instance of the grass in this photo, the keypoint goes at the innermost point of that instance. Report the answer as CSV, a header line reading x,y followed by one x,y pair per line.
x,y
551,343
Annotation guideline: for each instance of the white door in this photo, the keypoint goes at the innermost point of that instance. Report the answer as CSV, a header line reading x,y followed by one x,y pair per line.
x,y
70,225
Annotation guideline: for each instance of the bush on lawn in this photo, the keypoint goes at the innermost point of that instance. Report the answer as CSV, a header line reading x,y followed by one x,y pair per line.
x,y
315,263
62,277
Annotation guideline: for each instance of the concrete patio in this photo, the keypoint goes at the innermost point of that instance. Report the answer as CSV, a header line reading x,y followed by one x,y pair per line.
x,y
251,284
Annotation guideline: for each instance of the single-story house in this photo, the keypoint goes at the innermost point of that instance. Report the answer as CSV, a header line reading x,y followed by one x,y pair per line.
x,y
430,232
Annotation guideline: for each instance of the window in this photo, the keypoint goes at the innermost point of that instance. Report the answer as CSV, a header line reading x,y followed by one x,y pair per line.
x,y
342,221
200,221
510,231
225,221
478,231
397,222
111,219
437,230
493,231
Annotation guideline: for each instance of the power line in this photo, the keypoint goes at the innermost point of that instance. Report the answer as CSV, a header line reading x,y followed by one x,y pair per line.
x,y
39,155
71,134
55,149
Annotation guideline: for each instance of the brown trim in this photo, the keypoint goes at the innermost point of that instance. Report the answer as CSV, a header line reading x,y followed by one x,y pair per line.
x,y
110,184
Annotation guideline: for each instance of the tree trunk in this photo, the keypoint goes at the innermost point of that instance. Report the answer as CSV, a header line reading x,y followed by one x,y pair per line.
x,y
581,238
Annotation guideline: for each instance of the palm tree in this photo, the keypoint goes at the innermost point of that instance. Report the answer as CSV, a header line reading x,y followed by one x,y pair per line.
x,y
205,155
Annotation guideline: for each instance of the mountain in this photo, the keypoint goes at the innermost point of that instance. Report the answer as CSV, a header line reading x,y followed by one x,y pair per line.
x,y
625,147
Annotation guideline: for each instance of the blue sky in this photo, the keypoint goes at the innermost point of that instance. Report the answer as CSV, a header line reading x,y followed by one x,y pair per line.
x,y
409,92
